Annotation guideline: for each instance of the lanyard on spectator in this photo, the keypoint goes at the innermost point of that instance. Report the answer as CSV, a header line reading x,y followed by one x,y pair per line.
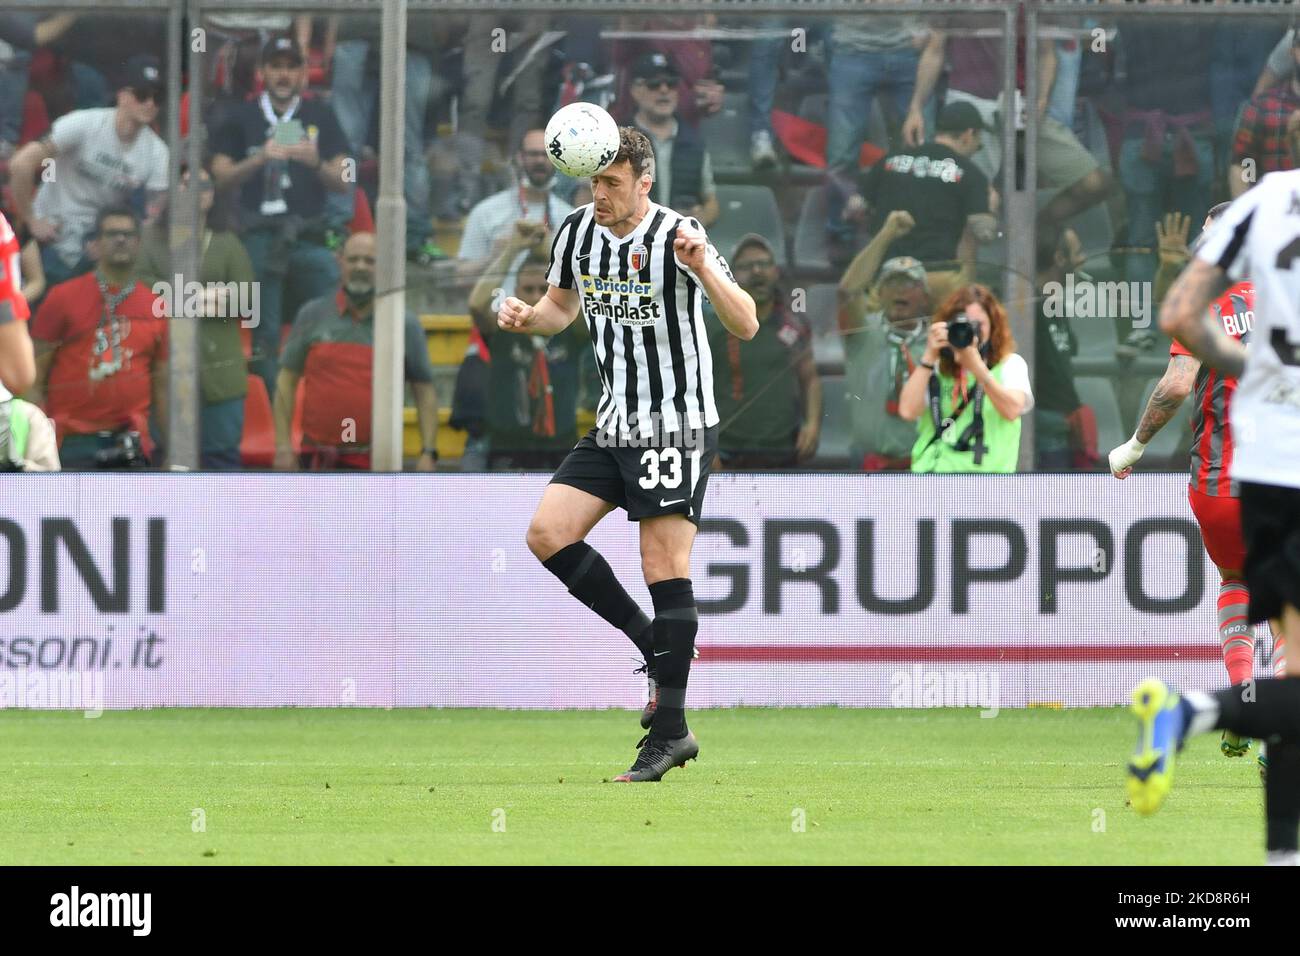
x,y
269,112
523,206
112,338
277,171
941,424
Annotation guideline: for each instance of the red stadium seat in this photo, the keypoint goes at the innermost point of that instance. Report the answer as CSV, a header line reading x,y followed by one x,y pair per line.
x,y
257,448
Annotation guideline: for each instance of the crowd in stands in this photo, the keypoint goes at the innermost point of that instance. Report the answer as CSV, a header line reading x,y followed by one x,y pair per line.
x,y
850,169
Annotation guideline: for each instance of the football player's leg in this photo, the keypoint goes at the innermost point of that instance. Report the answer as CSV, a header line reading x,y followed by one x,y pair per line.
x,y
563,519
666,561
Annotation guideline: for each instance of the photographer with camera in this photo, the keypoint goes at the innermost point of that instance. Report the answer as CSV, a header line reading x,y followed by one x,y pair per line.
x,y
969,390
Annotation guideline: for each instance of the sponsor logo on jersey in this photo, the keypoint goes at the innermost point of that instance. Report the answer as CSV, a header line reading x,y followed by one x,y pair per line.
x,y
597,285
620,308
1238,324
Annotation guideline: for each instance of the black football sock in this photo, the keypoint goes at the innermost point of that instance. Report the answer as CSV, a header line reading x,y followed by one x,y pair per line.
x,y
675,624
1264,709
590,579
1282,795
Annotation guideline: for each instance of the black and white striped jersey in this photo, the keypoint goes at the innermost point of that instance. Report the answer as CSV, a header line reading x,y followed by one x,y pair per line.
x,y
1258,238
644,310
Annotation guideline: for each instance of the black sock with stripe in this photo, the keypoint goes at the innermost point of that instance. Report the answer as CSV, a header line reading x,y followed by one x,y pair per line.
x,y
590,579
1282,795
675,625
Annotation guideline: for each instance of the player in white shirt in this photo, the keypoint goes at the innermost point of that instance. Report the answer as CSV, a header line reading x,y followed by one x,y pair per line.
x,y
638,272
1258,238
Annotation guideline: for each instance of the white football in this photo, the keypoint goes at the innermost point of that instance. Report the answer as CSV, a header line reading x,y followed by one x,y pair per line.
x,y
582,139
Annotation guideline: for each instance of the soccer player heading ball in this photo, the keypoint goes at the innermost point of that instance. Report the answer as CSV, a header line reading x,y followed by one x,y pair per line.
x,y
638,272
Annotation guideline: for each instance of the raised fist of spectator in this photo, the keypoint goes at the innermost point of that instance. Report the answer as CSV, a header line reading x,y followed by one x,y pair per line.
x,y
899,223
1171,238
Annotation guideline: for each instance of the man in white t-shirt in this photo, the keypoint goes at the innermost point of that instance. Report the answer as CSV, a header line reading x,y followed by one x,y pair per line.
x,y
91,159
528,207
1258,239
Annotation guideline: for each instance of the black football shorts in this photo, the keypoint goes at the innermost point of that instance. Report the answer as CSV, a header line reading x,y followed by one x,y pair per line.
x,y
1270,523
646,481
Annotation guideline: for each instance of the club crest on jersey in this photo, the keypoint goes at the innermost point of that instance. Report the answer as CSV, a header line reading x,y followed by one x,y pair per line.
x,y
638,256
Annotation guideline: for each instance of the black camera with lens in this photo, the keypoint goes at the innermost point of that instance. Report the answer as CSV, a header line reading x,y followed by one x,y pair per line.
x,y
122,450
961,331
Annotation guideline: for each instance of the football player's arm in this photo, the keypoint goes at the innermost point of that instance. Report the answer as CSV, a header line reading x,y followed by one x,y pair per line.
x,y
17,359
553,313
1170,392
733,304
1186,316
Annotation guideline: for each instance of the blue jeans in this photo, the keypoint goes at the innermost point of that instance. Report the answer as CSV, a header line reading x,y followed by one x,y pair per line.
x,y
222,429
354,97
312,271
1152,189
855,79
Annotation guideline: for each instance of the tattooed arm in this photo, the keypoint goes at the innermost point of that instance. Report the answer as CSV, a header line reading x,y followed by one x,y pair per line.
x,y
1170,391
1185,315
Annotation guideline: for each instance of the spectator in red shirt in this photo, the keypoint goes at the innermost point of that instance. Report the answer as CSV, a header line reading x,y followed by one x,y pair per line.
x,y
331,351
1268,126
101,351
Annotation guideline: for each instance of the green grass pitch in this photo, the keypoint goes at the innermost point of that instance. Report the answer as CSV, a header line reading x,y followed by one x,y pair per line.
x,y
479,786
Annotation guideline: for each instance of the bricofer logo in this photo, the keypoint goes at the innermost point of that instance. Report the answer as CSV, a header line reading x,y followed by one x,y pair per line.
x,y
595,285
619,309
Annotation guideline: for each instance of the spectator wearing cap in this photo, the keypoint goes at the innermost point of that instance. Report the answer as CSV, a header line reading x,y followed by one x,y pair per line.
x,y
1063,163
101,350
101,158
331,349
683,177
937,185
283,152
882,345
768,394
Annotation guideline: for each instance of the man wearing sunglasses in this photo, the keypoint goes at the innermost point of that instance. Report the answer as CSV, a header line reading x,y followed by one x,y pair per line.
x,y
683,171
90,160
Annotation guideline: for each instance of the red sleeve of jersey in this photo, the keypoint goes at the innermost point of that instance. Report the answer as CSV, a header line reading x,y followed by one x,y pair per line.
x,y
1178,348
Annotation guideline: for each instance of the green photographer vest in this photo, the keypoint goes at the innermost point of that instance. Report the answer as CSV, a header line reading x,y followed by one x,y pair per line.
x,y
14,429
1001,437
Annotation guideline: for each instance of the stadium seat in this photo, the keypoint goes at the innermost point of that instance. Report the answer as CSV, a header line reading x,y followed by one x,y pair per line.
x,y
810,251
835,436
1097,339
1169,440
726,135
828,343
257,446
747,209
1099,394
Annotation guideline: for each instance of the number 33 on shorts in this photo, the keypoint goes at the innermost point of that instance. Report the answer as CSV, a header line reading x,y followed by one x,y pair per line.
x,y
663,468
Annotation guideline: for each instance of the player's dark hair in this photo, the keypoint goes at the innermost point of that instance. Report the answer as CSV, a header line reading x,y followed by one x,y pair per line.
x,y
634,147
